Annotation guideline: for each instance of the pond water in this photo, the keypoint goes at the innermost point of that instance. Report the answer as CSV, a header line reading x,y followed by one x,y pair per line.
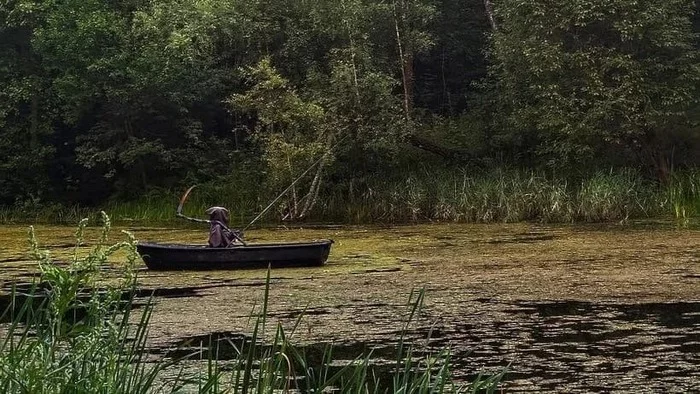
x,y
574,308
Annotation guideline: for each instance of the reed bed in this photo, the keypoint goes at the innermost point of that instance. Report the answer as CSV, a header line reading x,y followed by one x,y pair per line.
x,y
71,332
427,194
683,195
501,196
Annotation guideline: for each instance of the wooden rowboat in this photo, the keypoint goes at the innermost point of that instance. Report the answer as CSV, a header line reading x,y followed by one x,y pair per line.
x,y
200,257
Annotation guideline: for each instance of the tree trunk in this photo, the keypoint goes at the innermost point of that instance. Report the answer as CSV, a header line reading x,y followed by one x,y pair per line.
x,y
408,83
313,190
139,164
293,209
489,13
352,54
445,92
405,56
34,119
662,161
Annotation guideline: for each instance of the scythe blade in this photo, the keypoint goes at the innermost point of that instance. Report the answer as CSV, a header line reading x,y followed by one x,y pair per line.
x,y
183,199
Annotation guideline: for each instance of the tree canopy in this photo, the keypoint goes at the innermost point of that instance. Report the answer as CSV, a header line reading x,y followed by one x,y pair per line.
x,y
113,99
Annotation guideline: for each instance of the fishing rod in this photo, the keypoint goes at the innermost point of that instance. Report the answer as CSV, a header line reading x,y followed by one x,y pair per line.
x,y
235,233
293,183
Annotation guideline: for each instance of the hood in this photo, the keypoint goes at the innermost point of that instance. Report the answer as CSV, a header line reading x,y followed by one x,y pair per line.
x,y
219,214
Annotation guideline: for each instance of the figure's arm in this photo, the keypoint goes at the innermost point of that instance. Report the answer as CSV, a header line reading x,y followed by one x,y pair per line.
x,y
234,237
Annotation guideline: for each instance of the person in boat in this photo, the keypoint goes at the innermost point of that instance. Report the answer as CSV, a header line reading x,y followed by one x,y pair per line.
x,y
220,236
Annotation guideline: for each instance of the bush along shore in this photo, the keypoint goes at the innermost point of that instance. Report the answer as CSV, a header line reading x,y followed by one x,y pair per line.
x,y
77,330
416,196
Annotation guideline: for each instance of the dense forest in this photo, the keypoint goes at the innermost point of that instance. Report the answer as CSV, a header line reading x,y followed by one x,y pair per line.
x,y
473,110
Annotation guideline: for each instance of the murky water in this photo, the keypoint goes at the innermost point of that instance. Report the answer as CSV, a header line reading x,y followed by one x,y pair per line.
x,y
571,309
570,346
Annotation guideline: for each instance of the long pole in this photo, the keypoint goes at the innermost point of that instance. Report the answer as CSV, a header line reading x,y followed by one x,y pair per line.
x,y
293,183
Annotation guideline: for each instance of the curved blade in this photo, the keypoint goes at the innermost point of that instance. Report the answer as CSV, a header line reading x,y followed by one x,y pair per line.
x,y
183,199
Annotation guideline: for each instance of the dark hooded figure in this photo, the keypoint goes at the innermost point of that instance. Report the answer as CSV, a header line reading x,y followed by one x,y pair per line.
x,y
219,234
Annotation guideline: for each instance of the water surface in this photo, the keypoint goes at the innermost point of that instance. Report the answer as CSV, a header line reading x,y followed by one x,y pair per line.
x,y
571,308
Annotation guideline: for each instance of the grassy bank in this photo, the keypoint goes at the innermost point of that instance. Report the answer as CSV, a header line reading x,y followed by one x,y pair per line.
x,y
78,330
425,195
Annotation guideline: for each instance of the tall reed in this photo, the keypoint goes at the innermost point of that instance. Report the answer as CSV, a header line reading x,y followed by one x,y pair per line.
x,y
68,335
426,194
683,195
614,196
511,195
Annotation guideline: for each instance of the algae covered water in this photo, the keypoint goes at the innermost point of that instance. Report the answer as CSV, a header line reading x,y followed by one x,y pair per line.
x,y
566,308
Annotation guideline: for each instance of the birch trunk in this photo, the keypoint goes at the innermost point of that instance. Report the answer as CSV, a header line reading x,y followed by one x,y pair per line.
x,y
313,190
489,13
34,120
405,56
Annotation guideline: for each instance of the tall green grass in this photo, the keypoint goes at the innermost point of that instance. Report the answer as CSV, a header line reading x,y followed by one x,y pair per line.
x,y
499,196
75,331
683,195
68,336
426,194
616,196
46,213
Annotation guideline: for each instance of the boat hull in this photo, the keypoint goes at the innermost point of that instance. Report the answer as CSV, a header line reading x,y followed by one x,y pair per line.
x,y
199,257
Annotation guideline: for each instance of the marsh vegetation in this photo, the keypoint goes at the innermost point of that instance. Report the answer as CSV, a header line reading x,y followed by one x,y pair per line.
x,y
428,195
